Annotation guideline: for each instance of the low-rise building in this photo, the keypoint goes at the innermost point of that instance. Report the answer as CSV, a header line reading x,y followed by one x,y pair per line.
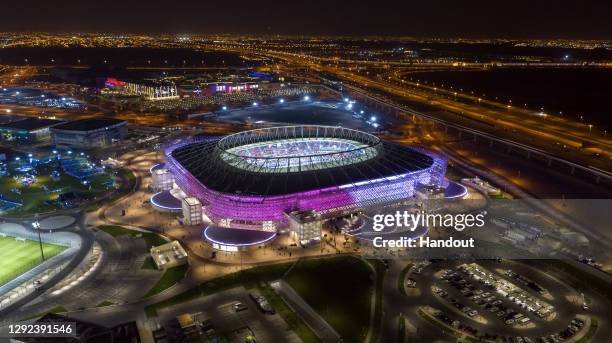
x,y
305,226
161,180
192,211
29,130
169,255
89,133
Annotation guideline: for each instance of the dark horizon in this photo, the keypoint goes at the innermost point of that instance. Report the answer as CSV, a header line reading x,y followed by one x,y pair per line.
x,y
440,18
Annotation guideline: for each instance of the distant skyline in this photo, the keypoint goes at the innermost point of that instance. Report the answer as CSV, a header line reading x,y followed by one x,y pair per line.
x,y
588,19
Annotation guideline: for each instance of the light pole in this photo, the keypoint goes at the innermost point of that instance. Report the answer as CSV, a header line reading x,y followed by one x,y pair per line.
x,y
36,226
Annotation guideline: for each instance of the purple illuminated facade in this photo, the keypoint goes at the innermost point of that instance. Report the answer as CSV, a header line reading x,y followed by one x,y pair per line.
x,y
346,170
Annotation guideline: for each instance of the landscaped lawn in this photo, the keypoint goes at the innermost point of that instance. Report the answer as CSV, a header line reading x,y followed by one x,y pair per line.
x,y
149,263
152,239
17,257
170,277
339,289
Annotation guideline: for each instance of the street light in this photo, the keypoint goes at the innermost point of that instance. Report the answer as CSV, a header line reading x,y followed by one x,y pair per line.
x,y
282,101
254,104
36,225
306,98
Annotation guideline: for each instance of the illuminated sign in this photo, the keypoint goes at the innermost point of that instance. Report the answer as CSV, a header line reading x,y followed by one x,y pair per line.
x,y
111,82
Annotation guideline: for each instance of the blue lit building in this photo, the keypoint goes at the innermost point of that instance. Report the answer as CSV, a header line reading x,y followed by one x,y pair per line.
x,y
27,131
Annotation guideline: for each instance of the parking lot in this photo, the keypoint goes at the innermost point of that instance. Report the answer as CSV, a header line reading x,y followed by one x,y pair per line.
x,y
230,314
499,299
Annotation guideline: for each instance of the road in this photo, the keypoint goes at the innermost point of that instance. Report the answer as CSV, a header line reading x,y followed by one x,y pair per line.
x,y
575,141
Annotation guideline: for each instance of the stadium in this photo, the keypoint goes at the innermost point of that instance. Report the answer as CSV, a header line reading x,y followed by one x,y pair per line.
x,y
255,180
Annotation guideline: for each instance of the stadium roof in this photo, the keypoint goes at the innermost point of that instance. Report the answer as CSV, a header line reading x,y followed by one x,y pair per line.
x,y
204,163
31,124
89,124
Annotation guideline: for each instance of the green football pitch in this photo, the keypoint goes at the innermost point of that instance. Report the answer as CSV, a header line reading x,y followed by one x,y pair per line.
x,y
17,257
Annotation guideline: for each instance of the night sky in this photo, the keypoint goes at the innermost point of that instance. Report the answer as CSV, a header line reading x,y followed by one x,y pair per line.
x,y
428,18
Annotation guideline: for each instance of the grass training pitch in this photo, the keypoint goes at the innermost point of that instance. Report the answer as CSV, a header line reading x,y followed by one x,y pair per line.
x,y
17,257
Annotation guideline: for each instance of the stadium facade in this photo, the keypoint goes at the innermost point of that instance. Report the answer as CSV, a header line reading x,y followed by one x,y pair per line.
x,y
253,179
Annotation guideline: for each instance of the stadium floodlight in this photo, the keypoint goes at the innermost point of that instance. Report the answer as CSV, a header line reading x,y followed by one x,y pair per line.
x,y
36,225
